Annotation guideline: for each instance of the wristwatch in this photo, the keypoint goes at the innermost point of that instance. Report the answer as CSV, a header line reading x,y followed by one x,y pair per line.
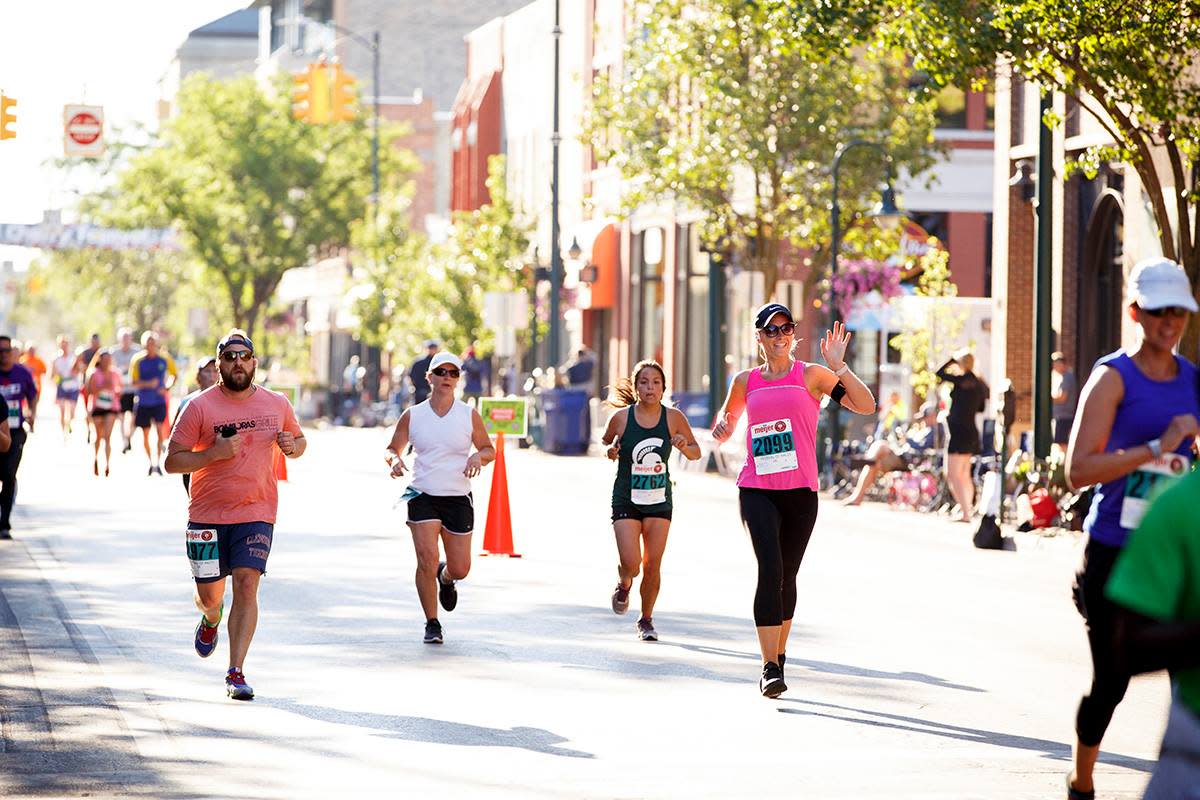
x,y
1155,446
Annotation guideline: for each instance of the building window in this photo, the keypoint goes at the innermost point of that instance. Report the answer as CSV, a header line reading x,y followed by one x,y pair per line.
x,y
952,108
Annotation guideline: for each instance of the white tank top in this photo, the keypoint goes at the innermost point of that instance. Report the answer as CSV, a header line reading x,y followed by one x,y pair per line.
x,y
443,445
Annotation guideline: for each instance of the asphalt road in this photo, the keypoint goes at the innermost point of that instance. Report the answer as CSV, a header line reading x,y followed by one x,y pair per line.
x,y
919,667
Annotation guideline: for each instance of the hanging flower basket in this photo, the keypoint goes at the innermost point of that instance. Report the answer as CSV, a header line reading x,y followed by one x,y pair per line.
x,y
859,277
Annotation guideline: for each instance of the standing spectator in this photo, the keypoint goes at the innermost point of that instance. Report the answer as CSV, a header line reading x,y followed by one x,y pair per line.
x,y
579,370
1156,585
35,365
967,398
418,373
478,374
1064,392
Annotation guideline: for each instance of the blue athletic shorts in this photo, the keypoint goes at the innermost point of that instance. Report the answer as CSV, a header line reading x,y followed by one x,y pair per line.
x,y
214,550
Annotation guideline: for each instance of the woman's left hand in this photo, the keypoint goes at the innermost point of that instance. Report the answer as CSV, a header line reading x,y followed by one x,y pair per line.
x,y
474,466
833,346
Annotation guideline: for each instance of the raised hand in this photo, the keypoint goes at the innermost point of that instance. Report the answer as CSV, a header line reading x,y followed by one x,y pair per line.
x,y
834,344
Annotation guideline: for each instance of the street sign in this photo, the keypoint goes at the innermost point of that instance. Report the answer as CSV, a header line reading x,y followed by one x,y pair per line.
x,y
83,131
504,414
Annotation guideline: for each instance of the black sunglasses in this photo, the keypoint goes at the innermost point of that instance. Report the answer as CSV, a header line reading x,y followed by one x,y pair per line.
x,y
230,356
773,331
442,372
1179,312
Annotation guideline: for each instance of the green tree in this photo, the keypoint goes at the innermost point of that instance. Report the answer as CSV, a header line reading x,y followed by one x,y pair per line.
x,y
737,108
1131,65
420,289
253,191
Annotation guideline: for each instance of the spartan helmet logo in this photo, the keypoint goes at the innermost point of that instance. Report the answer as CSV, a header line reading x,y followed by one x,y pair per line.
x,y
646,451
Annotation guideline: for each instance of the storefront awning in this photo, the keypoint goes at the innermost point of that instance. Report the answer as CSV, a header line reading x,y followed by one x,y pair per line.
x,y
600,243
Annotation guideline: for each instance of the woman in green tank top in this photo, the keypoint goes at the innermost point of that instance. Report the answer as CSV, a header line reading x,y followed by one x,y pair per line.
x,y
640,436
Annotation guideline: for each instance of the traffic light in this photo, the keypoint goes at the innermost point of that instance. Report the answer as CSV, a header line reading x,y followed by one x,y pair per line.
x,y
7,117
345,95
310,95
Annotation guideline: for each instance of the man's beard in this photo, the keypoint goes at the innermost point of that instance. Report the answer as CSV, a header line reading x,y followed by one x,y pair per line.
x,y
237,383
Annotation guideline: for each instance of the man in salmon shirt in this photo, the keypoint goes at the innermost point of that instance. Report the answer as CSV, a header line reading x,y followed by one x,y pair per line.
x,y
226,437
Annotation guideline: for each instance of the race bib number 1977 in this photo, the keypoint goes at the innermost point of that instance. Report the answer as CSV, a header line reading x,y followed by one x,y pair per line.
x,y
202,553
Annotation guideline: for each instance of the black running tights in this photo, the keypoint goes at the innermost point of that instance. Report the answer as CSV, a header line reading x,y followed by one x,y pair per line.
x,y
780,522
1108,683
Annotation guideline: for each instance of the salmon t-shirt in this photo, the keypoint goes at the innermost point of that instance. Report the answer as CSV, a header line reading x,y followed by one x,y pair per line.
x,y
243,488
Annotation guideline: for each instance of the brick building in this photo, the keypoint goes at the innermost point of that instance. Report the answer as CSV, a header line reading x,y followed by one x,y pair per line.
x,y
1101,227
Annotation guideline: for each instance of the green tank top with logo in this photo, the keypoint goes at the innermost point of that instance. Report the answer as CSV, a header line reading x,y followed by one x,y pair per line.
x,y
643,477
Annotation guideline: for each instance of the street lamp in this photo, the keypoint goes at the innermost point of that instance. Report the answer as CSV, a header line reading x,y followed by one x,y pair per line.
x,y
556,265
886,215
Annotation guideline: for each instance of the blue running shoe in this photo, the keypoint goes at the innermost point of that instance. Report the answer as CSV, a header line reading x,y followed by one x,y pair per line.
x,y
236,686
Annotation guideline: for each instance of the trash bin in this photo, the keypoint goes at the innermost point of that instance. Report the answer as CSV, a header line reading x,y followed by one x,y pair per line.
x,y
694,406
567,428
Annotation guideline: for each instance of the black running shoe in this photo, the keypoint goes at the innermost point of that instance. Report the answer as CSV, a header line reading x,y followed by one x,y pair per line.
x,y
771,684
447,594
433,632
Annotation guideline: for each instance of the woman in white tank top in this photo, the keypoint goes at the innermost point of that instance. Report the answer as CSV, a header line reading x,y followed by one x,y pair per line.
x,y
442,431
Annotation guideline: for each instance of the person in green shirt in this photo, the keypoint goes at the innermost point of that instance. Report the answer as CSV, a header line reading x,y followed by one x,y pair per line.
x,y
1156,584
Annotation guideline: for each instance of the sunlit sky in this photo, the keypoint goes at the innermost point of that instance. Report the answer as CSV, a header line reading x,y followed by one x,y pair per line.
x,y
104,52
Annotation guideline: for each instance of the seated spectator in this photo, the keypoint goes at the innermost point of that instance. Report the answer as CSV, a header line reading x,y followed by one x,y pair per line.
x,y
884,456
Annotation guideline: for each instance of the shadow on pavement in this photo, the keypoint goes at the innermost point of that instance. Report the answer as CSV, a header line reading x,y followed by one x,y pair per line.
x,y
436,731
1057,751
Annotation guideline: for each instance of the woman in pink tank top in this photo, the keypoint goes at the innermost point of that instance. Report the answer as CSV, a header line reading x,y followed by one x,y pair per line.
x,y
777,487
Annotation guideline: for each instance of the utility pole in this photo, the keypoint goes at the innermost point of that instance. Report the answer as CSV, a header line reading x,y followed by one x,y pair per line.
x,y
556,265
1041,282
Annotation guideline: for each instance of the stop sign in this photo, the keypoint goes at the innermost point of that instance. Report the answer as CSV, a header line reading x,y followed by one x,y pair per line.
x,y
83,130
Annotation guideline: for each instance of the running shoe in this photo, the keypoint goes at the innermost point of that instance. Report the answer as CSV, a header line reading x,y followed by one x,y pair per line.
x,y
771,684
236,686
646,630
150,471
5,533
433,632
206,638
447,594
620,599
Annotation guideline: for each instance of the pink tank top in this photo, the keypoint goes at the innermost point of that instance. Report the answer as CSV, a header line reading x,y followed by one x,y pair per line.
x,y
781,433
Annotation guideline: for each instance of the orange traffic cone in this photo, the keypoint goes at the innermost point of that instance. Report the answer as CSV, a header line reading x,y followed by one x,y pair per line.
x,y
497,535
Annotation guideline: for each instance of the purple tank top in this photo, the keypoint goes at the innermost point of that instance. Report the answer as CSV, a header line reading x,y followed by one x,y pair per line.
x,y
1144,414
781,433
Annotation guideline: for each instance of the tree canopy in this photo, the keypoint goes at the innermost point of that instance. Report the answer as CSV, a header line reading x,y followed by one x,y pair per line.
x,y
254,191
737,109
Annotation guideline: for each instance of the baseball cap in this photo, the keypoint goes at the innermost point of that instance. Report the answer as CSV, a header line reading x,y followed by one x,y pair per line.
x,y
204,361
235,337
1160,283
431,343
445,358
769,310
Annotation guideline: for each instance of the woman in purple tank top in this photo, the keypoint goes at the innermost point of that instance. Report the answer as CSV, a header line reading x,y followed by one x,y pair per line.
x,y
777,488
1135,428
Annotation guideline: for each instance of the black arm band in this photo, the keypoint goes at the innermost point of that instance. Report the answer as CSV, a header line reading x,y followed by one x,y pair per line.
x,y
838,392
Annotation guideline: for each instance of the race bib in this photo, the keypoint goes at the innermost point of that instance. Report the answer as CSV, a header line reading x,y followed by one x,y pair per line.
x,y
70,384
773,447
1146,481
105,401
203,555
648,484
14,415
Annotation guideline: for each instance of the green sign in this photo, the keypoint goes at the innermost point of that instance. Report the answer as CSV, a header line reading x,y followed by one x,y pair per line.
x,y
505,415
